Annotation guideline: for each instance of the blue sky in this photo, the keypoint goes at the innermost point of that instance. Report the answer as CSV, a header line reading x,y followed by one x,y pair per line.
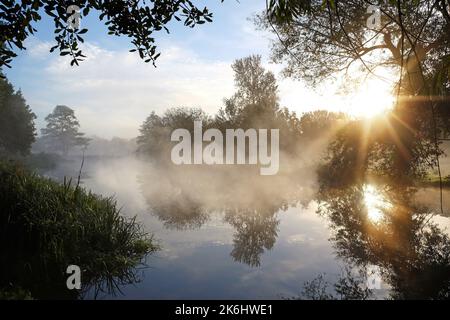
x,y
113,91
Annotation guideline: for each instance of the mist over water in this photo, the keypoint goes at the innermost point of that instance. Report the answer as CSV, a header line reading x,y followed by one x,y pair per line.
x,y
224,231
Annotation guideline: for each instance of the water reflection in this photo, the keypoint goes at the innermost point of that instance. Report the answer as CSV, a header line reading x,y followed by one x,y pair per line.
x,y
185,198
373,224
255,231
411,250
268,225
375,203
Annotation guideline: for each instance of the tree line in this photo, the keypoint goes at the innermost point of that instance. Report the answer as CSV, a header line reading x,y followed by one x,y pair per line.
x,y
316,40
255,104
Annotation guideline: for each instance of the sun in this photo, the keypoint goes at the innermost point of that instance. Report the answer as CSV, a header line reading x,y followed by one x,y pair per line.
x,y
373,98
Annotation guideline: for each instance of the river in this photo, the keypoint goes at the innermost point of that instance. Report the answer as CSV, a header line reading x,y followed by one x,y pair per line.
x,y
229,238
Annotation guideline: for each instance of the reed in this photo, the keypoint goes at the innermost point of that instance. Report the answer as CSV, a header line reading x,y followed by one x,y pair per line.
x,y
46,226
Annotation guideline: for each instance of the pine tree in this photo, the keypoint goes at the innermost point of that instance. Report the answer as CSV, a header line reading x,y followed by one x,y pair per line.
x,y
61,133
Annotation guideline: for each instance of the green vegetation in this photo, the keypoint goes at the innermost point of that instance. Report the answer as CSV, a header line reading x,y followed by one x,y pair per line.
x,y
46,226
41,161
255,104
136,20
17,129
325,40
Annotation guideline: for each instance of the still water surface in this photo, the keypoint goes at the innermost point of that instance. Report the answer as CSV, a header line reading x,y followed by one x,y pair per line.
x,y
228,235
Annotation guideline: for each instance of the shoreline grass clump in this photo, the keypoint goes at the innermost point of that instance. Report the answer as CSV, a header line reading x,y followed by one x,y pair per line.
x,y
46,226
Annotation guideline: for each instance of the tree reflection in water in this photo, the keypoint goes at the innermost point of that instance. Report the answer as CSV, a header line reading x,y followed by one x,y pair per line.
x,y
373,224
185,198
256,231
382,225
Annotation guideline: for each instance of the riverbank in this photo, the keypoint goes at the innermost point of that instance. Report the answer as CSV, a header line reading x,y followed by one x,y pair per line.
x,y
47,226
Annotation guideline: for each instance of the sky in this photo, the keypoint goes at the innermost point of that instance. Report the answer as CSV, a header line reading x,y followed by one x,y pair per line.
x,y
113,90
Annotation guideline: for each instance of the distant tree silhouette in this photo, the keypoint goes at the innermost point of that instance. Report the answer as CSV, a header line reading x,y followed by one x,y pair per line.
x,y
253,82
314,123
61,133
154,138
255,104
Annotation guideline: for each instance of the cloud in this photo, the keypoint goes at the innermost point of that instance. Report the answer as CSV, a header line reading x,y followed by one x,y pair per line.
x,y
112,92
38,49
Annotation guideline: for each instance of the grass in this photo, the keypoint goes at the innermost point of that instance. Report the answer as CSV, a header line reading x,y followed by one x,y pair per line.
x,y
41,161
46,226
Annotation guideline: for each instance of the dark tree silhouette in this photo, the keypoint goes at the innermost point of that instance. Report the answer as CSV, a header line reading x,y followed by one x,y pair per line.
x,y
411,250
320,40
17,130
136,19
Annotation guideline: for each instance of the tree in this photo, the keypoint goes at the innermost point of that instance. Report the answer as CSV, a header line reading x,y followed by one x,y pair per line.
x,y
61,133
256,230
257,93
17,130
136,19
154,138
256,104
315,124
254,84
323,39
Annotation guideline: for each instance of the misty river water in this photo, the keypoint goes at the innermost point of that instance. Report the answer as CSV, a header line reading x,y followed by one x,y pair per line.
x,y
224,236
